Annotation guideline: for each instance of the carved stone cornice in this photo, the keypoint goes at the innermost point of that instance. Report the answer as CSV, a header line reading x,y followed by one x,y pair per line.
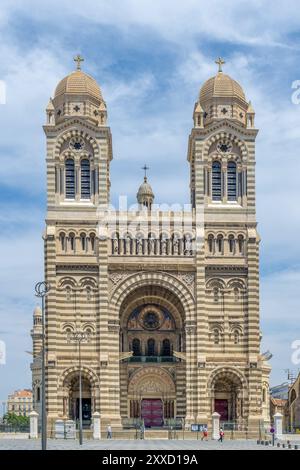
x,y
228,269
62,268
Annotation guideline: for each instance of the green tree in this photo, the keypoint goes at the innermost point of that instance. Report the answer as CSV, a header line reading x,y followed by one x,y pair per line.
x,y
15,420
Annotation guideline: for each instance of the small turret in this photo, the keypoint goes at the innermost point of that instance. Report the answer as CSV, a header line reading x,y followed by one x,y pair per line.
x,y
36,332
250,115
50,111
145,195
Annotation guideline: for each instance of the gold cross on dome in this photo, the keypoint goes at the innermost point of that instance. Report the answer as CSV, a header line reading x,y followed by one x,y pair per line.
x,y
78,59
220,62
145,168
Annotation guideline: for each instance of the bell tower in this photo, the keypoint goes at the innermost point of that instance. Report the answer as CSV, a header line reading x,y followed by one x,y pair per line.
x,y
79,152
221,154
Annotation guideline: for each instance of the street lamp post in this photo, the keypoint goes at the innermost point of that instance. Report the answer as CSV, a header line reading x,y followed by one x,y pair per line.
x,y
41,290
79,337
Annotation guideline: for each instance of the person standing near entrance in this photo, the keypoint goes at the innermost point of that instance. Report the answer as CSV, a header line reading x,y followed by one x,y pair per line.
x,y
109,432
221,434
205,434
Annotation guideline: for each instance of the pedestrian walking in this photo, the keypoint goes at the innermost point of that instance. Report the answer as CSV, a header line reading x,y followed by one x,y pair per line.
x,y
204,434
109,432
221,434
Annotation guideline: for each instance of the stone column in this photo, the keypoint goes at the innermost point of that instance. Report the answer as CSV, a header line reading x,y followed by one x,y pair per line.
x,y
33,425
96,425
278,425
215,425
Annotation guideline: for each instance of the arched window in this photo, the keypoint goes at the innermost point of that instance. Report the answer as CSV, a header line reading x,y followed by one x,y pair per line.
x,y
62,241
72,241
241,244
236,337
231,181
83,241
293,396
85,179
70,178
231,243
136,347
216,181
166,348
38,394
216,336
264,395
151,347
92,240
211,243
220,244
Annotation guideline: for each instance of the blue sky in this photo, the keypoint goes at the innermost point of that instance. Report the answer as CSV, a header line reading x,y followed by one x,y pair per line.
x,y
150,59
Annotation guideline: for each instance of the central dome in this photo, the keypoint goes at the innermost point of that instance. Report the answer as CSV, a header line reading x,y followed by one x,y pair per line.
x,y
145,189
145,195
221,86
78,83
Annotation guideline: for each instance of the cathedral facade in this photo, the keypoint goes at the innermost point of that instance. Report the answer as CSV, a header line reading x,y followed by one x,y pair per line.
x,y
167,301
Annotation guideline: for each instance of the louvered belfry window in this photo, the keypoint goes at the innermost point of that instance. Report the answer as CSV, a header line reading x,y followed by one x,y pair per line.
x,y
231,181
70,178
85,179
216,181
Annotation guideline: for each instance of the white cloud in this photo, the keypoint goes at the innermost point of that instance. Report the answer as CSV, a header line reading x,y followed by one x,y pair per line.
x,y
152,125
256,23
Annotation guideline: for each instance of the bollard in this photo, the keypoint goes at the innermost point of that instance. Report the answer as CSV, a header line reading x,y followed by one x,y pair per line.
x,y
296,447
96,426
278,444
215,425
33,425
283,446
278,425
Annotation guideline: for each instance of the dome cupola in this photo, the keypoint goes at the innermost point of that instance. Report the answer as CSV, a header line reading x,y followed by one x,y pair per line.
x,y
220,97
78,94
145,195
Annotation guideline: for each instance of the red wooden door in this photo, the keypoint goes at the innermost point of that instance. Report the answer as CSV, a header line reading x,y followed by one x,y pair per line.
x,y
152,412
221,407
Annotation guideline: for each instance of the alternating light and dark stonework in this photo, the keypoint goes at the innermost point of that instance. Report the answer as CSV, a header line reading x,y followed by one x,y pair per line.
x,y
171,310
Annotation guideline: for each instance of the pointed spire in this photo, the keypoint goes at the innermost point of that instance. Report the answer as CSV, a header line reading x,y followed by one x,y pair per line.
x,y
50,106
198,108
250,109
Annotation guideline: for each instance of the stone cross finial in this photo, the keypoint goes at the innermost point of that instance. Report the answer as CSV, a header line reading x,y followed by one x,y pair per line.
x,y
145,168
78,59
220,62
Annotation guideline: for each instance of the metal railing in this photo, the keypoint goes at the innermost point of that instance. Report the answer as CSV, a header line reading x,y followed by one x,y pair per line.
x,y
233,425
14,428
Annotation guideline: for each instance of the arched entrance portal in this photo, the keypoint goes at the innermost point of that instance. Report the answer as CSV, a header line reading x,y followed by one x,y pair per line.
x,y
152,396
228,396
152,379
71,398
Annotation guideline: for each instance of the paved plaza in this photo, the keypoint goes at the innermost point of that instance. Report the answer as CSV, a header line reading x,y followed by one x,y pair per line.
x,y
158,444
